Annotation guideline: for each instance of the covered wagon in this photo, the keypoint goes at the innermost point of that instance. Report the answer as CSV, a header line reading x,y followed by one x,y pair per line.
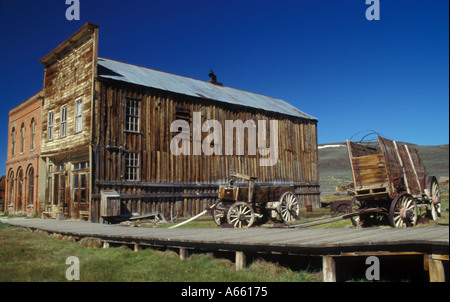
x,y
391,177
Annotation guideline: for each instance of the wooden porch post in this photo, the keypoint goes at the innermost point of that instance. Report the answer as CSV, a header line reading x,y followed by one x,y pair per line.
x,y
328,269
240,261
436,268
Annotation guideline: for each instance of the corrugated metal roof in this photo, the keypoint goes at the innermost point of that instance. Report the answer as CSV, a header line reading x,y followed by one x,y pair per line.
x,y
165,81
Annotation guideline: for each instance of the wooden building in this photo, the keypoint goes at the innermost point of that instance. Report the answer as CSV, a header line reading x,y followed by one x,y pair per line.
x,y
108,131
22,165
66,124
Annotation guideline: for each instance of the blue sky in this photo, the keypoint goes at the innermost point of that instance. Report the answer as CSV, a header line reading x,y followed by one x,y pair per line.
x,y
323,56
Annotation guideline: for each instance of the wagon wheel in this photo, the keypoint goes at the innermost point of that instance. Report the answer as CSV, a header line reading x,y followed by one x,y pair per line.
x,y
288,207
241,215
218,217
355,207
434,196
403,211
343,208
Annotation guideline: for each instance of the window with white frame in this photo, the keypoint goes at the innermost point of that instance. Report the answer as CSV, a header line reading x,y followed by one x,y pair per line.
x,y
132,115
78,115
13,141
132,166
22,139
33,134
50,125
63,121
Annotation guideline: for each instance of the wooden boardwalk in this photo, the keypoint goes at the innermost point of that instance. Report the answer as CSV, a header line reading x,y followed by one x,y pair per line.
x,y
432,242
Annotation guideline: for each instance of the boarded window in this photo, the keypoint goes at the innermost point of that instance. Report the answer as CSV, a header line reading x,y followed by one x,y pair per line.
x,y
132,115
183,112
132,166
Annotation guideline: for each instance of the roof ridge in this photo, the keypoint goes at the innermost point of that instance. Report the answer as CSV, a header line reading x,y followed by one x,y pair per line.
x,y
219,93
186,77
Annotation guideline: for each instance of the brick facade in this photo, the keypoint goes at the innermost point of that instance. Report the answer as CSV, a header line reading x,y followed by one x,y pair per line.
x,y
22,166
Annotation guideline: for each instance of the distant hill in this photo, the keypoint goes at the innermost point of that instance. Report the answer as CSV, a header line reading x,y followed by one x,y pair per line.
x,y
335,170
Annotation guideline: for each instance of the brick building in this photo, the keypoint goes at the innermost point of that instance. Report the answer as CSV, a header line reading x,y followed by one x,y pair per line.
x,y
2,192
22,165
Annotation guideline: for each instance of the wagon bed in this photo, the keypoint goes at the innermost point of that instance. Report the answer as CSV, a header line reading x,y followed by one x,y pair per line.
x,y
241,205
392,176
394,167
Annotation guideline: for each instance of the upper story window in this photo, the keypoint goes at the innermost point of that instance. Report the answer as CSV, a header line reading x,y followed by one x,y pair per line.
x,y
132,115
33,134
13,141
78,115
50,125
22,138
63,121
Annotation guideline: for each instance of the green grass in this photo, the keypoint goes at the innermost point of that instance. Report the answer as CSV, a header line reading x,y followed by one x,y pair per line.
x,y
26,256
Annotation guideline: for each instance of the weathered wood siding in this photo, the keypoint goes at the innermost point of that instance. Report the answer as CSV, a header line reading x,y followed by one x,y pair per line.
x,y
68,78
187,183
70,70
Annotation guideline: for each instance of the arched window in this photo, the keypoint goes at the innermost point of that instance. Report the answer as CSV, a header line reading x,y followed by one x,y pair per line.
x,y
11,187
30,186
19,190
13,141
33,134
22,139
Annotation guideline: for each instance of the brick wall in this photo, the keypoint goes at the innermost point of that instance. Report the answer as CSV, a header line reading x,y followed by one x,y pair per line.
x,y
22,166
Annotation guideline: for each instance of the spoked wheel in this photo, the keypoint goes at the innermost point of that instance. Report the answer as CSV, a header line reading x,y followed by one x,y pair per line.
x,y
219,217
288,207
355,207
403,211
241,215
434,196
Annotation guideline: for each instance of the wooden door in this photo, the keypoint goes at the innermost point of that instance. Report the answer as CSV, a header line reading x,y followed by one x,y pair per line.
x,y
80,201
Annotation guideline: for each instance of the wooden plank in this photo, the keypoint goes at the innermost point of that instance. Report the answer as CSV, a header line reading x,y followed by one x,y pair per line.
x,y
264,239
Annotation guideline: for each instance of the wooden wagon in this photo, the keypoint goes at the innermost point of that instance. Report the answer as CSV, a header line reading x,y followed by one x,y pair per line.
x,y
242,205
391,176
